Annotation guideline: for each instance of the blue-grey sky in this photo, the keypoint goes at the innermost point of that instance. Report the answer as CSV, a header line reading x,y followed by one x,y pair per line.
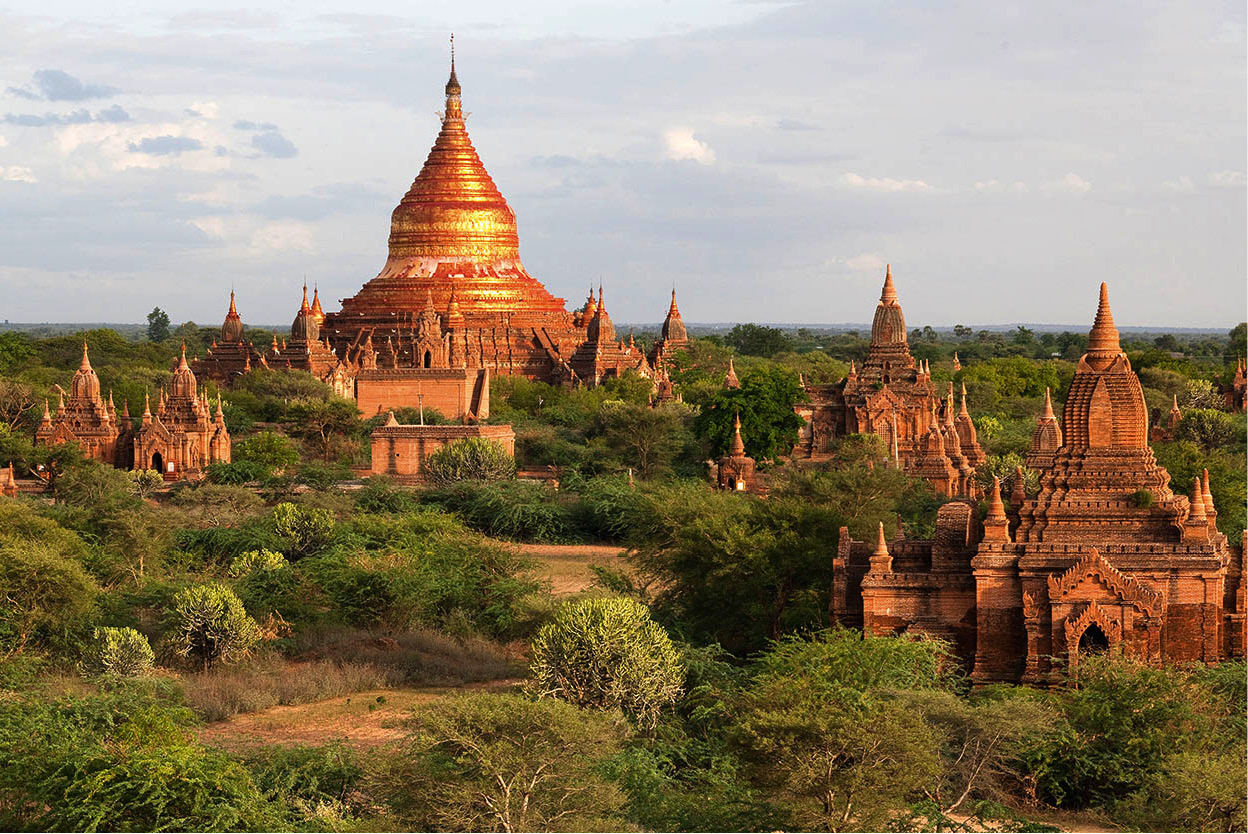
x,y
766,157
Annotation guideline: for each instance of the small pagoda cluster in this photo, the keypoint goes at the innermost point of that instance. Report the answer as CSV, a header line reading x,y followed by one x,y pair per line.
x,y
892,396
1104,557
179,439
1234,393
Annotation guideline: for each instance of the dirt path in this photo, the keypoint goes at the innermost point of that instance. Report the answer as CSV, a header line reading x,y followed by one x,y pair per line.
x,y
568,567
362,720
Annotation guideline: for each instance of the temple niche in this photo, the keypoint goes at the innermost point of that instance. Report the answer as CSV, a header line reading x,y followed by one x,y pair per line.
x,y
184,434
892,396
87,420
1083,566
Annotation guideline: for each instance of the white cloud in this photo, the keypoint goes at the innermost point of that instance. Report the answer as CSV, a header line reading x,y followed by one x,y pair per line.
x,y
16,173
1233,179
883,183
866,262
3,142
682,144
1071,183
1017,187
1182,183
211,226
284,235
205,109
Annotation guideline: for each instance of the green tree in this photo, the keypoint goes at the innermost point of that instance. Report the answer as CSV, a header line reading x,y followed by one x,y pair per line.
x,y
489,762
1237,343
157,325
1210,429
45,595
645,438
273,451
308,529
470,459
323,422
758,340
607,653
765,401
210,623
841,749
120,652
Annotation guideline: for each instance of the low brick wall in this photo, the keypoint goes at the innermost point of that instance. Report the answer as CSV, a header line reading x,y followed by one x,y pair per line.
x,y
400,451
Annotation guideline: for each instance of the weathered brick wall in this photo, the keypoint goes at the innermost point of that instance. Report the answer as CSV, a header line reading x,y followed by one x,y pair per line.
x,y
400,451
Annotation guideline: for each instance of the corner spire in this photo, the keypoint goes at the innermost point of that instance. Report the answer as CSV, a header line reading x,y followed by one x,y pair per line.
x,y
738,445
996,507
1197,502
881,543
962,412
1048,405
1103,338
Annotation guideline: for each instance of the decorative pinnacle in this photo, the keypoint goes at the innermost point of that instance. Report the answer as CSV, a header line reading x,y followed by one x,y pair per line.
x,y
996,507
889,294
738,445
86,363
182,362
881,544
305,307
47,415
1103,337
1207,495
1048,406
1175,407
233,311
1198,502
962,412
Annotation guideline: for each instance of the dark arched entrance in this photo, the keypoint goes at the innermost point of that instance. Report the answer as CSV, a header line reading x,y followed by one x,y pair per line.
x,y
428,359
158,462
1093,641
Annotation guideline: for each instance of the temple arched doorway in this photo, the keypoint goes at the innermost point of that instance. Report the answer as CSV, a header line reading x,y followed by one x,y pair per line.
x,y
428,359
1093,641
158,462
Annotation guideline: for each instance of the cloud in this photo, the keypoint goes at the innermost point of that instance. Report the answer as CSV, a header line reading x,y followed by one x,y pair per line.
x,y
109,115
866,262
3,141
1233,179
682,144
165,145
284,235
794,124
203,109
883,183
1017,187
1071,183
274,144
58,85
16,173
1183,183
243,124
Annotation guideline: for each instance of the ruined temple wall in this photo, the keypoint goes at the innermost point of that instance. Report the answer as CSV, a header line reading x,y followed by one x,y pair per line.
x,y
400,451
453,392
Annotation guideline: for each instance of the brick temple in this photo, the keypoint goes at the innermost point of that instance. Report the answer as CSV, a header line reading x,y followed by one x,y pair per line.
x,y
1105,556
452,304
892,396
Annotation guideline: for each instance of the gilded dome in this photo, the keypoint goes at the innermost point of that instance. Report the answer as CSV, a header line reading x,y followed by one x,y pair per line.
x,y
453,209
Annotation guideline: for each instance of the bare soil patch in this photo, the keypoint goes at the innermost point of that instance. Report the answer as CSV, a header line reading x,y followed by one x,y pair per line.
x,y
362,720
568,567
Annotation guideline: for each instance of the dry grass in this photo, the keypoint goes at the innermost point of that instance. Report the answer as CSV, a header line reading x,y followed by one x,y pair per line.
x,y
569,568
337,662
261,684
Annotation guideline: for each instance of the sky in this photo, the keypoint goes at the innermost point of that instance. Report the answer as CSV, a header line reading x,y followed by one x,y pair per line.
x,y
765,158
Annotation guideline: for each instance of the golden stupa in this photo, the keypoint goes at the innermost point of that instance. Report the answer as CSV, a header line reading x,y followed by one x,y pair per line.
x,y
452,234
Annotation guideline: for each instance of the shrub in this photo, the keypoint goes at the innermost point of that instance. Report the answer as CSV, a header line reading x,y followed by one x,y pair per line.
x,y
517,510
119,763
236,473
307,528
211,624
608,653
272,451
146,481
46,595
471,459
121,652
380,495
257,561
504,763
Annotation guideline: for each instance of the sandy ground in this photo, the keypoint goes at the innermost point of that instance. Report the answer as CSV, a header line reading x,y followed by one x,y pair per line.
x,y
362,720
567,567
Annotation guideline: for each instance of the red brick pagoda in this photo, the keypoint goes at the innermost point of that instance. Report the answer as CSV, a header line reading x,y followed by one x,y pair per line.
x,y
1105,557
